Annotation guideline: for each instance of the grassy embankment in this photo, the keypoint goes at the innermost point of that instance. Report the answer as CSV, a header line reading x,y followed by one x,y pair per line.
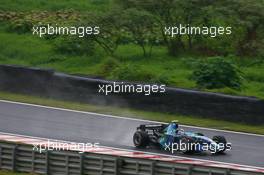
x,y
29,50
26,49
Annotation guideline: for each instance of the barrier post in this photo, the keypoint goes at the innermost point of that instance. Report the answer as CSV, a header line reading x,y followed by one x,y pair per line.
x,y
67,164
14,158
33,161
0,156
81,163
189,172
152,168
47,162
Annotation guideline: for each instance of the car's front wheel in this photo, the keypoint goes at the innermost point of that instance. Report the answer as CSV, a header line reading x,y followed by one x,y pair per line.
x,y
221,141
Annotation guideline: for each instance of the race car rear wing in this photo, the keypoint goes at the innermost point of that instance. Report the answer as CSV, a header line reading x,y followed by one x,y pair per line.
x,y
156,127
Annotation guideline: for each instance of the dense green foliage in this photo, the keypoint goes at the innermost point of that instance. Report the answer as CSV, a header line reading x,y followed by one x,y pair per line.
x,y
245,17
51,5
132,45
73,46
217,73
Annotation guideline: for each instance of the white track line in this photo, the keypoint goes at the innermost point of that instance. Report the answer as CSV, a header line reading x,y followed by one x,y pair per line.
x,y
145,152
125,118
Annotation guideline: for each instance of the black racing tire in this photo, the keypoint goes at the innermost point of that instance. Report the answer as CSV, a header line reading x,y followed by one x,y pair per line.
x,y
141,139
218,140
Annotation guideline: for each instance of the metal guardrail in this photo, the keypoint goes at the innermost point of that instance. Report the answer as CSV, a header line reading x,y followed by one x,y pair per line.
x,y
22,158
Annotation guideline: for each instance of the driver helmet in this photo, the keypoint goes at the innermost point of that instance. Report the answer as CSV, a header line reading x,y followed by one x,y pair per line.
x,y
175,122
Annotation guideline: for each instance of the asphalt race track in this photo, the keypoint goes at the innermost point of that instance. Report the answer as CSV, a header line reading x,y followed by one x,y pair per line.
x,y
112,131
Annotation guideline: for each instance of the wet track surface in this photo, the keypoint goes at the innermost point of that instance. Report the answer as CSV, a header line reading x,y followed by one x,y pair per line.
x,y
114,132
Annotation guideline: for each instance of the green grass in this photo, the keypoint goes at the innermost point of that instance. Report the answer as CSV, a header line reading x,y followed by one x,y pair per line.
x,y
25,49
131,113
4,172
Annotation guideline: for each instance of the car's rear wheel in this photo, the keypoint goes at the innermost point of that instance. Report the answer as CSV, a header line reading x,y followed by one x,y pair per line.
x,y
141,139
220,140
186,146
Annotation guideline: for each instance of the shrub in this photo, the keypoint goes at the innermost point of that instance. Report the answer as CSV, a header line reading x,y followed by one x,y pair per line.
x,y
74,46
217,73
131,72
107,66
20,26
164,78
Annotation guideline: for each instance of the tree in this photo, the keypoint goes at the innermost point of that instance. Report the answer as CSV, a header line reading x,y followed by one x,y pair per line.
x,y
110,29
251,17
165,14
195,13
141,25
248,22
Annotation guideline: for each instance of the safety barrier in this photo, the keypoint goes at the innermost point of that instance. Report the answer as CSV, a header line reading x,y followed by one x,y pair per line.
x,y
48,83
18,154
